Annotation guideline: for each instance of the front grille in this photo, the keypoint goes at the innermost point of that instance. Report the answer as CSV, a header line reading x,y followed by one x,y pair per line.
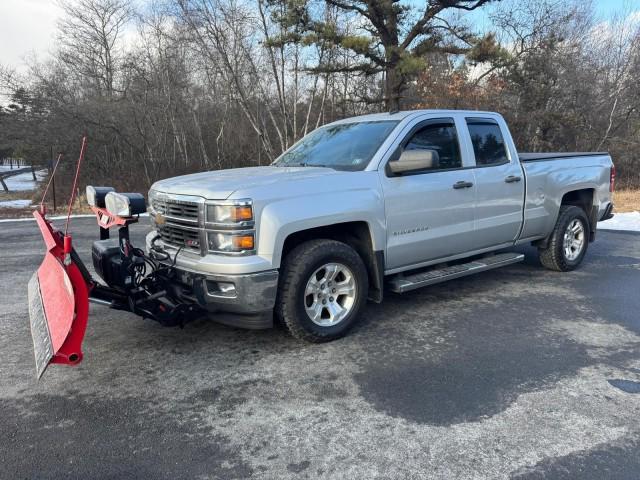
x,y
177,221
179,236
180,211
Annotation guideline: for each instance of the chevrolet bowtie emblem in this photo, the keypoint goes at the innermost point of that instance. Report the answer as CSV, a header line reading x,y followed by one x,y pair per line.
x,y
160,220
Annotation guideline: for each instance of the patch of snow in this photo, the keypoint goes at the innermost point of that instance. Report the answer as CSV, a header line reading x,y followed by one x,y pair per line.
x,y
15,203
629,221
24,181
7,168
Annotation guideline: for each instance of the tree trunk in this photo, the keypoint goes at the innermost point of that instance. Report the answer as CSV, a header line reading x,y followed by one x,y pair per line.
x,y
392,89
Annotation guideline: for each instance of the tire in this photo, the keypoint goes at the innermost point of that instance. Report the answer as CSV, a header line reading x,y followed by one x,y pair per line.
x,y
556,255
299,297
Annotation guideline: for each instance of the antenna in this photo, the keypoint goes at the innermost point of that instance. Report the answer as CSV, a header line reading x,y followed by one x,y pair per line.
x,y
83,149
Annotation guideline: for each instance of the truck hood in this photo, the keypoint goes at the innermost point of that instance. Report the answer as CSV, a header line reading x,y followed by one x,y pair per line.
x,y
220,184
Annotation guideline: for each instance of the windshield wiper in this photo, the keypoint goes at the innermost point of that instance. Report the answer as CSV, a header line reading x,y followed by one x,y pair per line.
x,y
305,164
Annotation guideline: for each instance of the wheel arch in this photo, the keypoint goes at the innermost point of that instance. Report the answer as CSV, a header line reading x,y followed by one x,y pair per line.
x,y
584,198
356,234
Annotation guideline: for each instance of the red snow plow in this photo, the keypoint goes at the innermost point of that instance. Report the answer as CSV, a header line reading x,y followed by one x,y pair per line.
x,y
62,288
58,302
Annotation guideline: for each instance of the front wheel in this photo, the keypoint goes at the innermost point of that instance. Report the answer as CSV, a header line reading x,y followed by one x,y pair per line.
x,y
568,242
323,286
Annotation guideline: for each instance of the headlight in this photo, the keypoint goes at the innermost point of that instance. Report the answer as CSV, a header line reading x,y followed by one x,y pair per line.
x,y
124,204
230,242
230,214
96,195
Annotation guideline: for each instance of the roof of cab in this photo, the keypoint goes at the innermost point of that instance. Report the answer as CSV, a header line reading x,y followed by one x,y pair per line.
x,y
403,114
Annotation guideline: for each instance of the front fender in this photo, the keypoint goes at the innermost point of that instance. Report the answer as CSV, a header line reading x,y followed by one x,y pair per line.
x,y
283,217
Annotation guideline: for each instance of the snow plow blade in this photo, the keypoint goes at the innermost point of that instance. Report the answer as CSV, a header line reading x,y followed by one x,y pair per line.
x,y
42,346
58,302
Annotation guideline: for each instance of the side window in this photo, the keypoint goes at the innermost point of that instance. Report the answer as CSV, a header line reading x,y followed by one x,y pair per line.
x,y
441,138
488,144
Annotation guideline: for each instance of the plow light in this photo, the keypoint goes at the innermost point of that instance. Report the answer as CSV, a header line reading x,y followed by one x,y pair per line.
x,y
95,195
125,204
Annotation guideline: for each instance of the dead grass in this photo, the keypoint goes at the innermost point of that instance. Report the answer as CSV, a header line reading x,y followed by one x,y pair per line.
x,y
79,206
627,200
29,194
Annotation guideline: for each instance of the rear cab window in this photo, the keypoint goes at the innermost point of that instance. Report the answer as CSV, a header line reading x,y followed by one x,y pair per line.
x,y
488,143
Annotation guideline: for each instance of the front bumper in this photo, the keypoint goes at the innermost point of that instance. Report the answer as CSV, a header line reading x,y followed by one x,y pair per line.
x,y
237,291
244,300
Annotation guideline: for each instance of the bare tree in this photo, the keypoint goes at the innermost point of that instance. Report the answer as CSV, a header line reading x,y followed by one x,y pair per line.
x,y
90,34
202,84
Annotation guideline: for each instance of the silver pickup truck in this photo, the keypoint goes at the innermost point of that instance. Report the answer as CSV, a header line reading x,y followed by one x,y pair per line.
x,y
386,201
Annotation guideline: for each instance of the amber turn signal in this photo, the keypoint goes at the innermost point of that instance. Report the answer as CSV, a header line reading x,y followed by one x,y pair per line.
x,y
243,242
242,213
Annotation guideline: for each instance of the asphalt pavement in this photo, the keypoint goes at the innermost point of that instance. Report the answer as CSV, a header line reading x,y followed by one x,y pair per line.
x,y
515,373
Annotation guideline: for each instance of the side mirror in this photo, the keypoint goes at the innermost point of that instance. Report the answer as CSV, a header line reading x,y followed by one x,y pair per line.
x,y
414,161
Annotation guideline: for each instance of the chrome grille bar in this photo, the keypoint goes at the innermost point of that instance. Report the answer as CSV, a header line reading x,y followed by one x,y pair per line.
x,y
179,211
179,236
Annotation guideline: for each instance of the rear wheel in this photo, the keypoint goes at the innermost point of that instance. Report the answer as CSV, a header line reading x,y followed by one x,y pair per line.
x,y
323,286
568,242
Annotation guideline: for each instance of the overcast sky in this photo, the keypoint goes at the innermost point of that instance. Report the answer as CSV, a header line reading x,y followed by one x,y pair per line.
x,y
28,26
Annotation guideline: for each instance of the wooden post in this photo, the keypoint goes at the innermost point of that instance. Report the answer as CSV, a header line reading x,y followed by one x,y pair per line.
x,y
53,181
33,172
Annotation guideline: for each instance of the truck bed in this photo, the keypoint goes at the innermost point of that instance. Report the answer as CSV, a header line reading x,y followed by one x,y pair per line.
x,y
544,156
548,180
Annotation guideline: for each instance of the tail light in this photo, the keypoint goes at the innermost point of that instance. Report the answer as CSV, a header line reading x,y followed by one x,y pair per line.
x,y
612,178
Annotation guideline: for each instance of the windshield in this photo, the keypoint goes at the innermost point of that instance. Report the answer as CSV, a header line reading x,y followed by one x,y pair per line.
x,y
346,146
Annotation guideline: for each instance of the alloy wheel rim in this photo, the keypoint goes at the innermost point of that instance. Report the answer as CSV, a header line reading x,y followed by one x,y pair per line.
x,y
574,240
330,294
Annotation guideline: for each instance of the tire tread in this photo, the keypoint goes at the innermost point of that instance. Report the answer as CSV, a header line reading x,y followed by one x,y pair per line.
x,y
293,269
552,256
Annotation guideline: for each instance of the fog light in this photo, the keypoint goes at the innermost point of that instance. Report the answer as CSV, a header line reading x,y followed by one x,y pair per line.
x,y
227,289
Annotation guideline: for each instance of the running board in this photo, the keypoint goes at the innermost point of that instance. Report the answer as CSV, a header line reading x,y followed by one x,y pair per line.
x,y
405,283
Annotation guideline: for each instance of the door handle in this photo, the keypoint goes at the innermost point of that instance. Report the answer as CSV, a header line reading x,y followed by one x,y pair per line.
x,y
462,184
512,179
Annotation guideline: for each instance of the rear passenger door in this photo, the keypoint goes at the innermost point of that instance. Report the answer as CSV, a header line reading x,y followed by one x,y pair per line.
x,y
499,184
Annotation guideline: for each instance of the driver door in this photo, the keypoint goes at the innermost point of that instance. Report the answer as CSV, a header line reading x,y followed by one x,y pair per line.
x,y
429,212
